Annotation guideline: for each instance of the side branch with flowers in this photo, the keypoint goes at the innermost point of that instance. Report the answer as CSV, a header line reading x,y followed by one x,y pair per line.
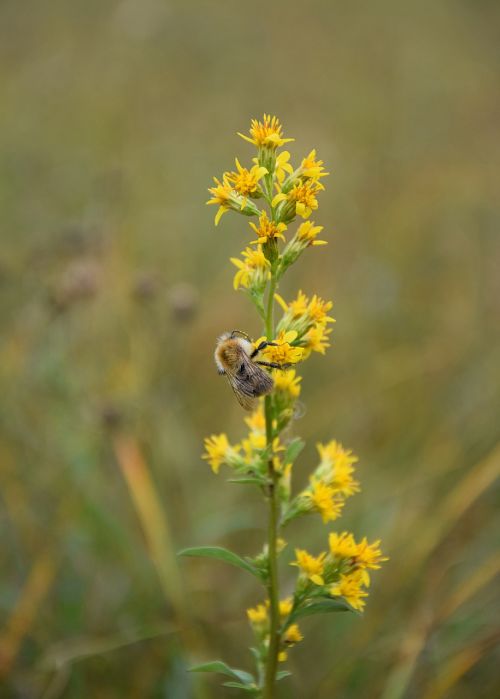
x,y
275,194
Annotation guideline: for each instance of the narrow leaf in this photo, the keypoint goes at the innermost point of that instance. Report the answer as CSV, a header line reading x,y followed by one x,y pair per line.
x,y
218,666
257,480
293,450
244,687
282,674
324,606
221,554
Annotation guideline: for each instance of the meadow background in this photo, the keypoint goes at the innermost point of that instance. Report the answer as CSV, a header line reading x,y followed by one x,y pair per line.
x,y
114,284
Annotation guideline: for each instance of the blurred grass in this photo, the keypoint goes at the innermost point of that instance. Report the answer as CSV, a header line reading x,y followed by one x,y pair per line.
x,y
114,285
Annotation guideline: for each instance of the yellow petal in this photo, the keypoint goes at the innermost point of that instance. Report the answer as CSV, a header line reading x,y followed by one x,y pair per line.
x,y
278,198
246,138
317,579
281,302
220,213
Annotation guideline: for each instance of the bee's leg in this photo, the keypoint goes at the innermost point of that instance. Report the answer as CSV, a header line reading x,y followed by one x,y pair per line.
x,y
274,365
240,333
262,346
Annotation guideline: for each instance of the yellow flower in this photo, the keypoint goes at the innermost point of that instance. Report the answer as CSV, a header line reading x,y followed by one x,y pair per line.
x,y
369,555
267,229
349,587
255,443
223,196
342,480
257,615
312,168
299,306
316,339
312,567
283,353
287,382
282,656
257,421
322,499
307,232
286,606
267,132
334,454
342,545
318,308
246,182
253,270
292,635
218,450
336,467
309,318
226,197
304,196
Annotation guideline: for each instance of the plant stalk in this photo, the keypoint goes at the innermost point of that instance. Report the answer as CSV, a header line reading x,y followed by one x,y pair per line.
x,y
273,584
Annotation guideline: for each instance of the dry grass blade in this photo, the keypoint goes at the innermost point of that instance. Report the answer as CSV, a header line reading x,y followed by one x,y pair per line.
x,y
25,610
474,483
471,586
459,665
470,488
152,517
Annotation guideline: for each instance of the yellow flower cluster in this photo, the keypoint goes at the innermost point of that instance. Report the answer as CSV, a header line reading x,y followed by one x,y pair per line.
x,y
309,319
336,468
288,193
287,382
330,484
218,451
343,570
259,620
248,455
253,271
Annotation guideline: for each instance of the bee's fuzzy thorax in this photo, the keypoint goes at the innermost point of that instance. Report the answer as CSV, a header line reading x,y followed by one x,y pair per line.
x,y
228,351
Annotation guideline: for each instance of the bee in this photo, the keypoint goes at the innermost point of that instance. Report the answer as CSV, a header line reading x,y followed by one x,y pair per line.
x,y
235,357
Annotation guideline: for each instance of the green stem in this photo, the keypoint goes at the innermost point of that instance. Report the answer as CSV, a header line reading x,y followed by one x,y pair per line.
x,y
273,584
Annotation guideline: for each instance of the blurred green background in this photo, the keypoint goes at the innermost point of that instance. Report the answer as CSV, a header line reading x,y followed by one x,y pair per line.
x,y
114,284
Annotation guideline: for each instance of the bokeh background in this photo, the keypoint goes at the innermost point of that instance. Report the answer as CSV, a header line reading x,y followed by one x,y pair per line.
x,y
114,284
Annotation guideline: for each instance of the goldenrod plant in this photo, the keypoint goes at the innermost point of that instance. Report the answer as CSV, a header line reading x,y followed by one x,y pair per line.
x,y
274,195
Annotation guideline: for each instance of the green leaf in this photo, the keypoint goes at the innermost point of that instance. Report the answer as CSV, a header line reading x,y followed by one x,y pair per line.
x,y
257,480
244,687
325,606
218,666
282,674
293,450
221,554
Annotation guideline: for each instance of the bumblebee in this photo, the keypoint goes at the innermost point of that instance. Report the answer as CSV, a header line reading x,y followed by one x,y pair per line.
x,y
237,359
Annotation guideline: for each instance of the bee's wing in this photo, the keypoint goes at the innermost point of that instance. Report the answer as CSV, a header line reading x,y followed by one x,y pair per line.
x,y
249,382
